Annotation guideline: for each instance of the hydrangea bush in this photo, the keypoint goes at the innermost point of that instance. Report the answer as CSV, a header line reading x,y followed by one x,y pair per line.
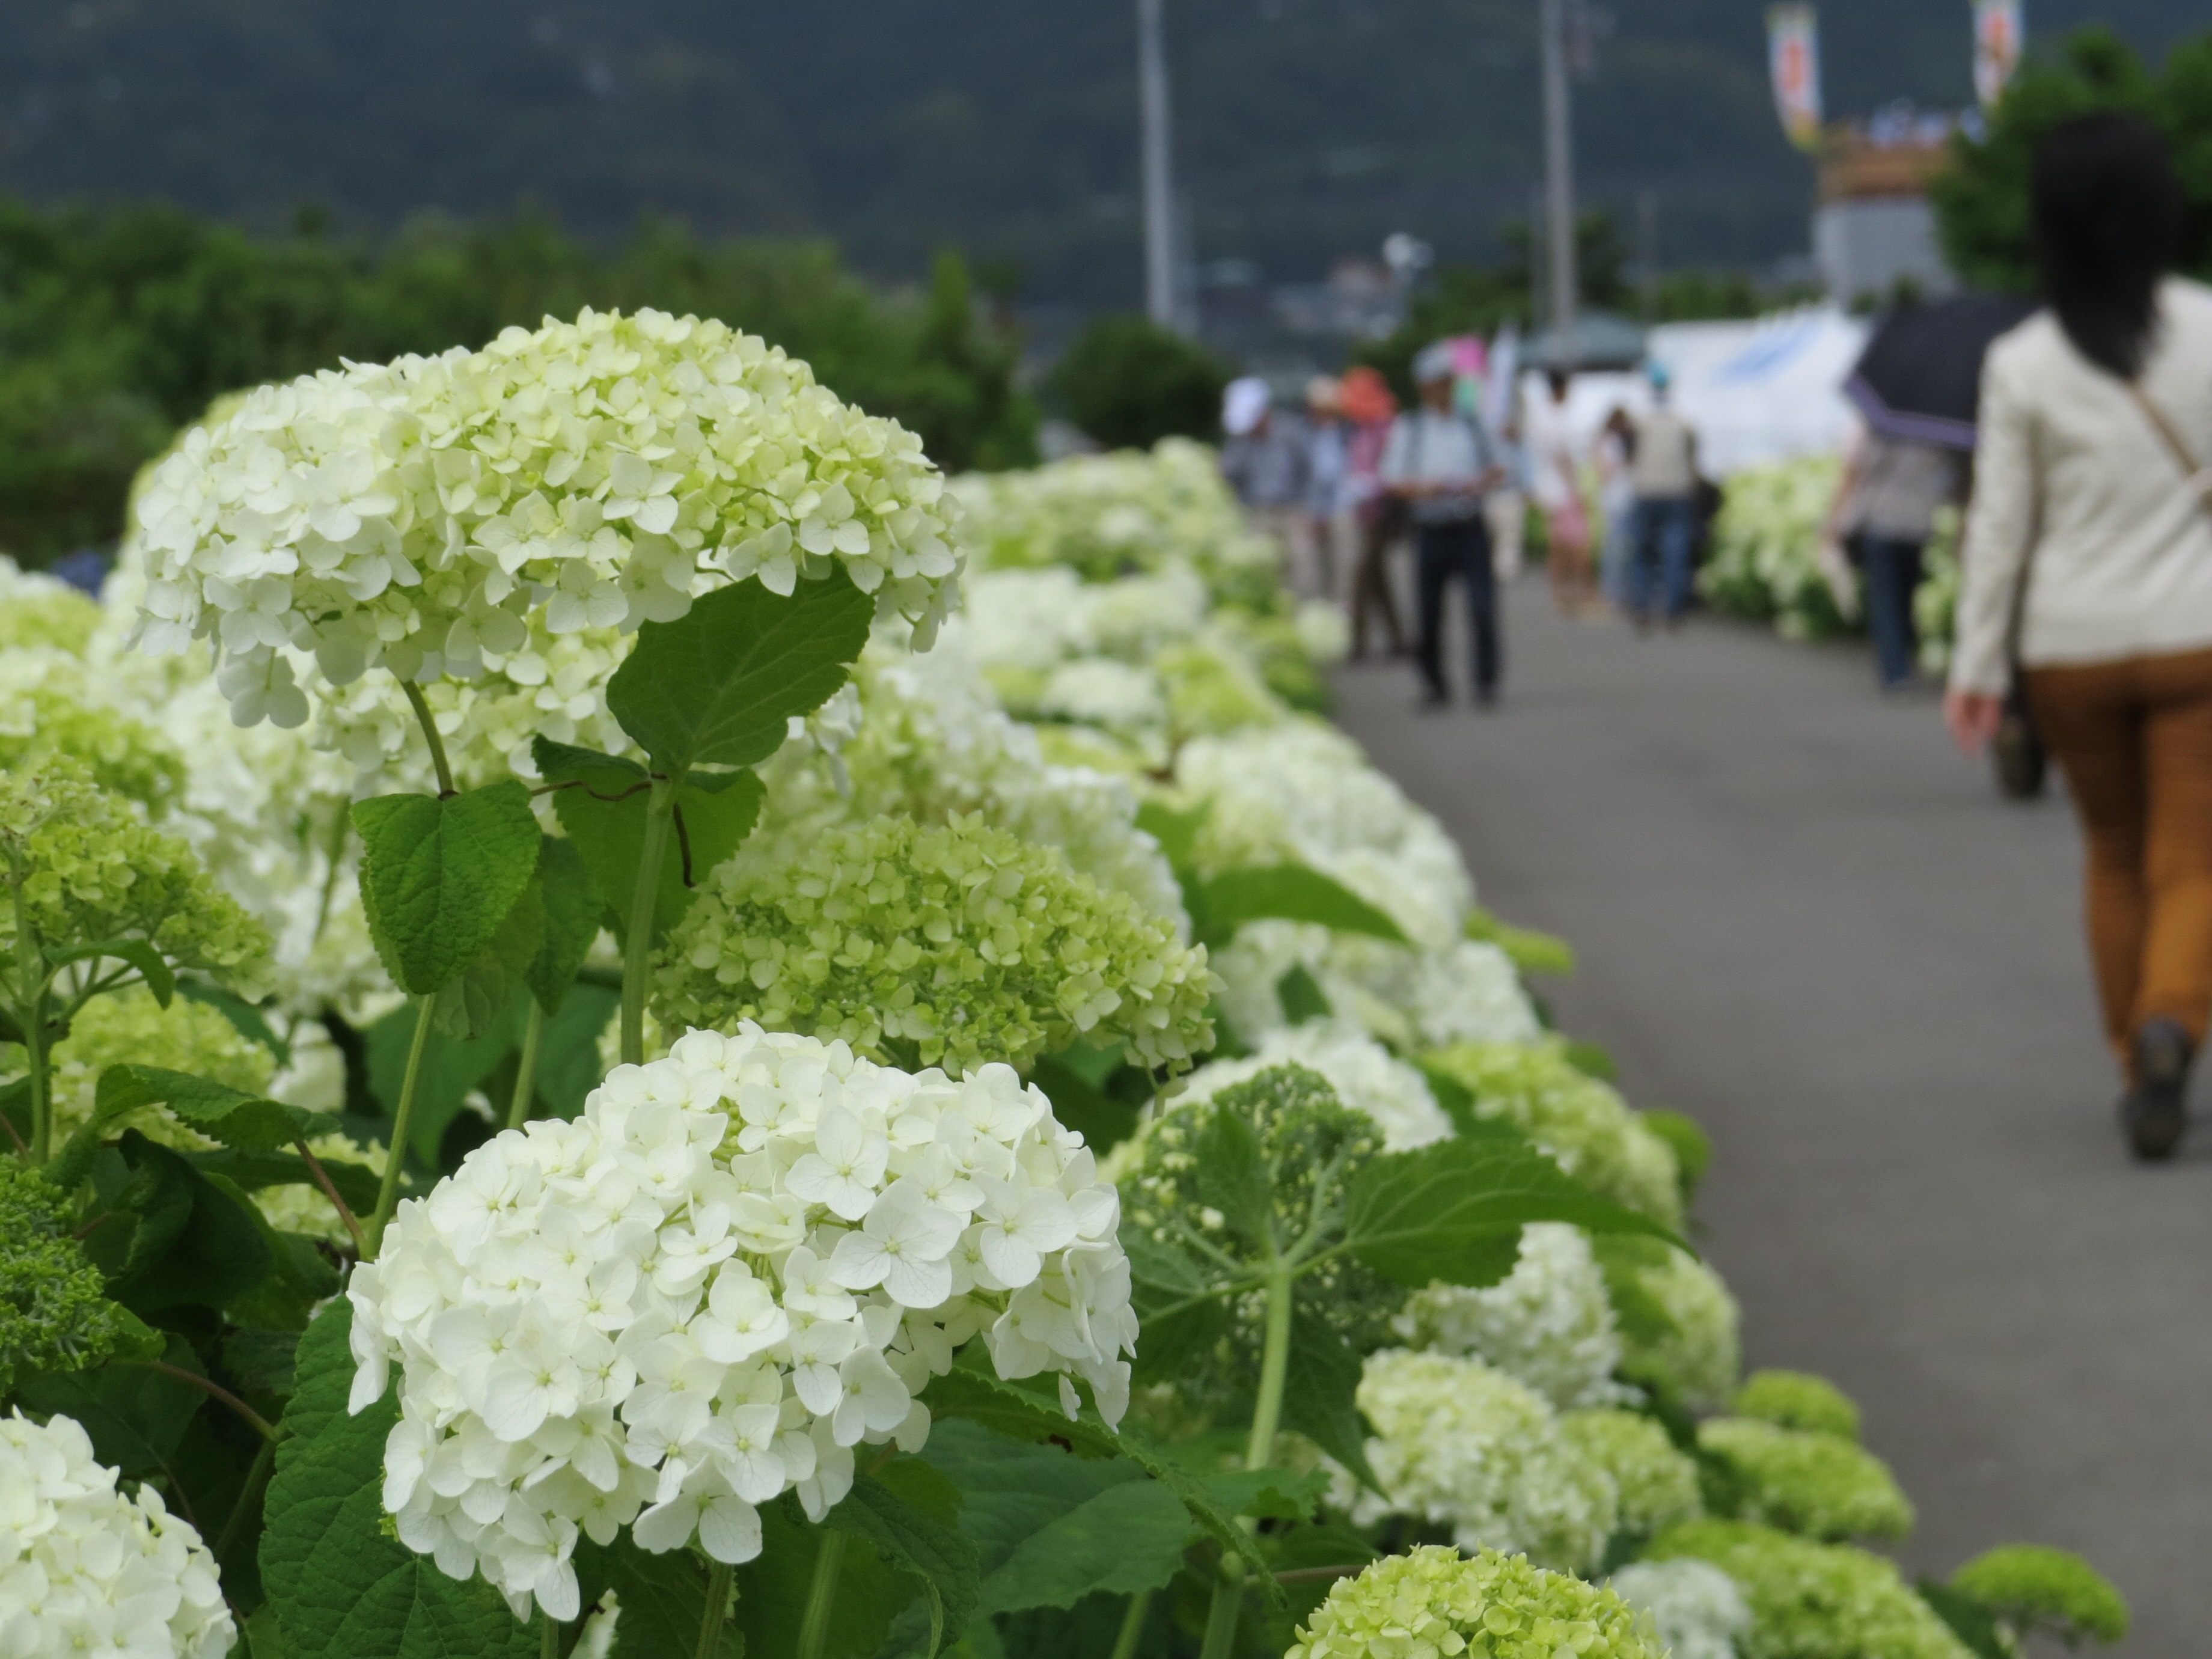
x,y
1431,1601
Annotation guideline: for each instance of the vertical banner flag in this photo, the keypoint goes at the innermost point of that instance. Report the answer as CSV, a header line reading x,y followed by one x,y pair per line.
x,y
1997,30
1792,56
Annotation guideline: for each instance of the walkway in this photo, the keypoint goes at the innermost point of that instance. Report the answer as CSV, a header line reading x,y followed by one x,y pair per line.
x,y
1804,919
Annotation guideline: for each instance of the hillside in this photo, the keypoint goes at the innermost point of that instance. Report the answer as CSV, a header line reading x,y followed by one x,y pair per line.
x,y
1306,128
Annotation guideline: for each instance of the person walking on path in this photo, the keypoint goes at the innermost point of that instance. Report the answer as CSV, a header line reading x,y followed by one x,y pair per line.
x,y
2088,567
1379,518
1883,513
1264,462
1616,499
1442,464
1555,465
1328,505
1665,470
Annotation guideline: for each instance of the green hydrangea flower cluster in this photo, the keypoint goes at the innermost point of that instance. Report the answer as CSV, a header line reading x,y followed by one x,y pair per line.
x,y
1798,1399
1303,1129
39,611
2031,1586
1582,1122
1432,1602
1461,1446
44,712
1657,1483
1211,689
131,1027
89,870
54,1311
1813,1600
1803,1481
1678,1322
968,943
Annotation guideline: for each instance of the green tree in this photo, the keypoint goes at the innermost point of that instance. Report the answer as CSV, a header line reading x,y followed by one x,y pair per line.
x,y
1128,383
1982,199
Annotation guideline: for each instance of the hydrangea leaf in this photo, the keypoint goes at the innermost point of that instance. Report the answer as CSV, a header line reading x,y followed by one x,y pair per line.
x,y
472,1003
1080,1104
247,1122
176,1237
1288,892
571,907
439,877
159,980
1454,1211
568,1063
1180,1308
602,809
136,1415
719,685
924,1547
1233,1178
1974,1624
1176,832
341,1588
245,1018
451,1067
1319,1394
663,1599
1301,996
772,1592
250,1172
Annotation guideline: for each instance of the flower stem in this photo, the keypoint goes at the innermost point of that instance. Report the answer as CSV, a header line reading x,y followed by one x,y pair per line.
x,y
1259,1451
549,1636
257,1478
270,1433
429,725
387,1196
637,942
718,1611
525,1071
1133,1625
821,1596
330,1192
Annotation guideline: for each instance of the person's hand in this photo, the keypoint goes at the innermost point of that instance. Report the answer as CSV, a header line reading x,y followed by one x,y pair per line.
x,y
1973,717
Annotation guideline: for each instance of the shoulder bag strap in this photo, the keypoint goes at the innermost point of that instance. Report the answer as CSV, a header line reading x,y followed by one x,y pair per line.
x,y
2199,478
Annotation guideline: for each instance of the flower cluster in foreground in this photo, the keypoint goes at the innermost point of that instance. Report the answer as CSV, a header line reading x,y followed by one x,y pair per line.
x,y
85,1570
738,1264
1430,1601
417,513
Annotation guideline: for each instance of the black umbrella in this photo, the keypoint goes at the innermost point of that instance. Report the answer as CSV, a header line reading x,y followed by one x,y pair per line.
x,y
1920,375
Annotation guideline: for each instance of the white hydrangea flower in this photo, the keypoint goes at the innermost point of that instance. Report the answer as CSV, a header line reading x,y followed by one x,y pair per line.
x,y
740,1262
1549,1324
85,1570
1460,1445
1412,1000
1366,1075
1099,691
417,514
1700,1613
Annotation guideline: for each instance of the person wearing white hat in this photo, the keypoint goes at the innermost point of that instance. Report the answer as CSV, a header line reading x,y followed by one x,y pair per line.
x,y
1442,463
1266,463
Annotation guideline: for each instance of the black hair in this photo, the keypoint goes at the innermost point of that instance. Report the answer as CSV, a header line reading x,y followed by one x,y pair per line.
x,y
2107,214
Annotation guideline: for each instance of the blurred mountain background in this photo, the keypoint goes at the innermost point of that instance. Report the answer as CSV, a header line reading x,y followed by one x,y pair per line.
x,y
1305,129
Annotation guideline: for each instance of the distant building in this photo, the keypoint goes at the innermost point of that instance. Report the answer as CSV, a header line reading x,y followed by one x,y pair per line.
x,y
1873,232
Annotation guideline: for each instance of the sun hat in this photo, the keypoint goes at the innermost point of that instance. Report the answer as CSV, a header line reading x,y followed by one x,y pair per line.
x,y
1244,404
1437,361
1364,395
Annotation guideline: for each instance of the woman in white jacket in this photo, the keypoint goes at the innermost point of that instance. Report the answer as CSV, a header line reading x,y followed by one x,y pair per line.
x,y
2089,564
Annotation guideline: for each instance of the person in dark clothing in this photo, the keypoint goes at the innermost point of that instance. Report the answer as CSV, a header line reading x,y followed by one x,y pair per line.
x,y
1442,463
1884,513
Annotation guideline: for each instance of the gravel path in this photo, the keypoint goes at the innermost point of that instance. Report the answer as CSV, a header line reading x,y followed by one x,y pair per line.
x,y
1804,919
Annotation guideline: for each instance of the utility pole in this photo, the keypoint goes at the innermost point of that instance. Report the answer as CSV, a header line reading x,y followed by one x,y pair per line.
x,y
1560,174
1159,191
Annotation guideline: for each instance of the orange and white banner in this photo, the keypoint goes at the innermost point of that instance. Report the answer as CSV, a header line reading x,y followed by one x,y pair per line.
x,y
1998,34
1793,57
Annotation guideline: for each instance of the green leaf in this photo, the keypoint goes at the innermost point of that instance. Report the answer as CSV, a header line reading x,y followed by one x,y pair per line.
x,y
772,1592
473,1004
1181,1312
719,685
1530,952
251,1172
341,1588
1289,892
1454,1211
663,1599
1974,1624
1301,995
1318,1394
439,876
136,952
1080,1104
572,907
1233,1176
1453,1098
247,1123
451,1068
568,1064
245,1018
1176,832
602,807
920,1546
136,1416
175,1237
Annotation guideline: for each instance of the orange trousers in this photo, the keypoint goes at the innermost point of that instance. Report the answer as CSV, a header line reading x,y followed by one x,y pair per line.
x,y
2134,739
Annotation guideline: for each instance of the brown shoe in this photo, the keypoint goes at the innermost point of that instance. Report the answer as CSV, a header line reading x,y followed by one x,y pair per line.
x,y
2155,1110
